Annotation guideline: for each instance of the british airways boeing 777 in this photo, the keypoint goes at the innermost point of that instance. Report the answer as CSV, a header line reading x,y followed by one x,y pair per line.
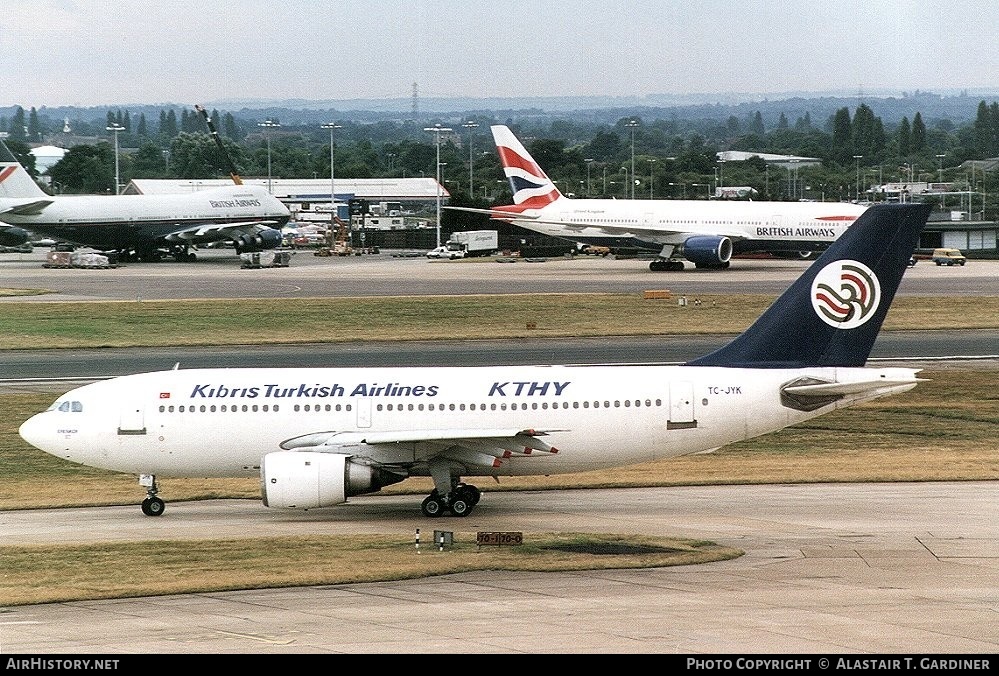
x,y
706,233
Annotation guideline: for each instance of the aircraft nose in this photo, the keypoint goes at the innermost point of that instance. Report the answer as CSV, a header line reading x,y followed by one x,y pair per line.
x,y
35,431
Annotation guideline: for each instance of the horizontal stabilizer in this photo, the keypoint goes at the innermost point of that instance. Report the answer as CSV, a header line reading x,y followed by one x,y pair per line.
x,y
826,389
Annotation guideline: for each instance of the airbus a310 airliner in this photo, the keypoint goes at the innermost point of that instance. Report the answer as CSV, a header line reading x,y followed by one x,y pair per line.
x,y
317,436
704,232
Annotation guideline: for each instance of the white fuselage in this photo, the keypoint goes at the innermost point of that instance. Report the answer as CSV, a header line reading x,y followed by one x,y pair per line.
x,y
221,422
130,220
659,222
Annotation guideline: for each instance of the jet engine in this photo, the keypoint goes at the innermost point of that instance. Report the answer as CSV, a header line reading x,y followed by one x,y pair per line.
x,y
13,236
708,251
306,480
265,239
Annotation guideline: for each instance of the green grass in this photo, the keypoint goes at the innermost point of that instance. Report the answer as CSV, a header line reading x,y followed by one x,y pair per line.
x,y
118,570
267,321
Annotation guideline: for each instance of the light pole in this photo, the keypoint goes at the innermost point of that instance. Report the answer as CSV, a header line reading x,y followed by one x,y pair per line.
x,y
856,160
588,161
652,162
632,125
332,126
268,124
115,127
470,125
437,130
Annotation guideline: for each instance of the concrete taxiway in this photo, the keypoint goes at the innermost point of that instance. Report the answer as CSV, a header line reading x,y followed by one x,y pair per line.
x,y
855,568
217,275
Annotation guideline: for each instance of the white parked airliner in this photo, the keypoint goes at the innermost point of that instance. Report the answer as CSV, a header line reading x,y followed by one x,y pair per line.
x,y
705,232
142,227
317,436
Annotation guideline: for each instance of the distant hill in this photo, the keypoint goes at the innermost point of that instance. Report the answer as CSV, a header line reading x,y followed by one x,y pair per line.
x,y
954,107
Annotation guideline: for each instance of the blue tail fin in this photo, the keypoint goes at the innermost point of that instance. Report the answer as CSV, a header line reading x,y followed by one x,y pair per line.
x,y
832,314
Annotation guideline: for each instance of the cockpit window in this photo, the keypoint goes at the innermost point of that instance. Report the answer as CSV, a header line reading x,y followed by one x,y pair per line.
x,y
67,406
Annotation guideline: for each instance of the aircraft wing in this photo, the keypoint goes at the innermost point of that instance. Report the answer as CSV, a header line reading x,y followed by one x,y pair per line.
x,y
482,447
213,232
28,208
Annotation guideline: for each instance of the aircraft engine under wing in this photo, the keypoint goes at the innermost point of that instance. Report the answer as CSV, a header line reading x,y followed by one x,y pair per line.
x,y
325,468
12,236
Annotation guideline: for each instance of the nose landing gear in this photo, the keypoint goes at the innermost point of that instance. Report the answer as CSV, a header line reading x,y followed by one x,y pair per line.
x,y
152,505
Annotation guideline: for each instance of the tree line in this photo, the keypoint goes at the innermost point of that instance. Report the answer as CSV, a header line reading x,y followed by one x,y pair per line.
x,y
654,157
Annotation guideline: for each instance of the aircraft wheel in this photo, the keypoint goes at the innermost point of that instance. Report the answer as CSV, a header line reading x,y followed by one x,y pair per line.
x,y
460,505
153,506
470,493
432,506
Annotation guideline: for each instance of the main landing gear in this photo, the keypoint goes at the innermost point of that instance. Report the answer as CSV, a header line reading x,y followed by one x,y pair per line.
x,y
666,265
459,501
152,505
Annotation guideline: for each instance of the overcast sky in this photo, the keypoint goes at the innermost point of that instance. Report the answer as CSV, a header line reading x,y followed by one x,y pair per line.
x,y
104,52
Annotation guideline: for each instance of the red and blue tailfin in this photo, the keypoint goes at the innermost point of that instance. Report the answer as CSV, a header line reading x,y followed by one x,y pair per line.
x,y
15,181
531,187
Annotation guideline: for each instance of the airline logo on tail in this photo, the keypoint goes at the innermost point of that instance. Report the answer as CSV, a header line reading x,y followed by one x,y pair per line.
x,y
532,189
845,294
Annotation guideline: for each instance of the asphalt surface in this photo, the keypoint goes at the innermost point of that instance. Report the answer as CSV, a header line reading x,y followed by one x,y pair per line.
x,y
217,274
828,569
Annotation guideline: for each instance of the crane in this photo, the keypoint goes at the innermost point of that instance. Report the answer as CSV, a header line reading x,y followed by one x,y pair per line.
x,y
218,141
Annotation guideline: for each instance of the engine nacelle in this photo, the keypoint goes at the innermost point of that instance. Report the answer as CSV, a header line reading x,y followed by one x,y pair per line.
x,y
13,236
307,480
707,250
265,239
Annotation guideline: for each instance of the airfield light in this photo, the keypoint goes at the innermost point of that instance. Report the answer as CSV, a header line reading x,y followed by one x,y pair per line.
x,y
632,125
115,127
471,125
857,159
437,130
332,126
268,124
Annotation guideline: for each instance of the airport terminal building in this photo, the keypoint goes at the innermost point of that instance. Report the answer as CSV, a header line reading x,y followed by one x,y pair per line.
x,y
302,196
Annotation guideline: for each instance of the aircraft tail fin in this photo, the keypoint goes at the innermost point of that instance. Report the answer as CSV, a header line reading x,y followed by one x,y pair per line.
x,y
531,187
832,314
15,181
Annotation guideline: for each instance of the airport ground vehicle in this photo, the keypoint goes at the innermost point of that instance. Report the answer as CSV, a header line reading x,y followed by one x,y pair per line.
x,y
945,256
468,243
443,251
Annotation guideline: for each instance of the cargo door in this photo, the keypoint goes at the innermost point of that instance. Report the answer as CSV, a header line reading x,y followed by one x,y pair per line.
x,y
681,407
